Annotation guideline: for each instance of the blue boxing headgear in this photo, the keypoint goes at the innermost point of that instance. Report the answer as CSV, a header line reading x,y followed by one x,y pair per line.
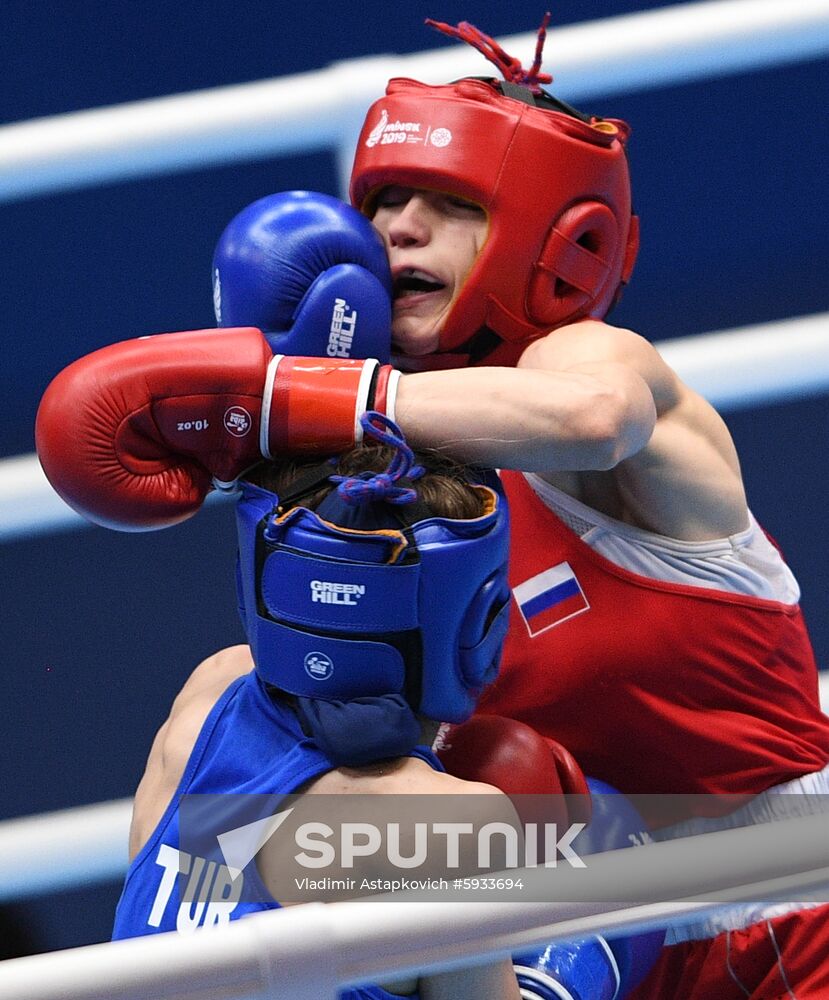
x,y
380,600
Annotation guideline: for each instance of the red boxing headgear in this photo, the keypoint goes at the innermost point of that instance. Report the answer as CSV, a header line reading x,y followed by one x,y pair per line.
x,y
562,239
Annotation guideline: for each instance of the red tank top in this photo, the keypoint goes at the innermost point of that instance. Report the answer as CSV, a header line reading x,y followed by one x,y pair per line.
x,y
654,687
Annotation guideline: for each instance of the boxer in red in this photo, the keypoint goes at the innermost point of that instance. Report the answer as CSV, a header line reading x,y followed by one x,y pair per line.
x,y
655,627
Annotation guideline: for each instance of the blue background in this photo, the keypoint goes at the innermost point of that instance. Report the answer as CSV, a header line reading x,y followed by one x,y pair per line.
x,y
101,629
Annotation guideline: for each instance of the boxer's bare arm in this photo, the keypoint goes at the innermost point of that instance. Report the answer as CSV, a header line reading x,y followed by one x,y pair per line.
x,y
533,418
412,776
174,741
481,982
491,981
171,750
599,402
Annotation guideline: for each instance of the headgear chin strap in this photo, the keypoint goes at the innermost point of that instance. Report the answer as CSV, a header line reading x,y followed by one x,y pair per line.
x,y
562,240
372,606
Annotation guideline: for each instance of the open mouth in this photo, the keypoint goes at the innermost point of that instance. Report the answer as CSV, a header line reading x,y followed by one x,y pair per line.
x,y
411,281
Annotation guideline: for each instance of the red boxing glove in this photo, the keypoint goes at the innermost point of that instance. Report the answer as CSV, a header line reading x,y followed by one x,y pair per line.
x,y
512,756
135,435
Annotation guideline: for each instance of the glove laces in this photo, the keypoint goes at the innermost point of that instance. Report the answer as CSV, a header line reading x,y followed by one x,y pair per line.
x,y
367,487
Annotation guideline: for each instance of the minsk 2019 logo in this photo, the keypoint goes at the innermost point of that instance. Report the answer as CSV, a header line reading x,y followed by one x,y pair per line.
x,y
388,133
377,131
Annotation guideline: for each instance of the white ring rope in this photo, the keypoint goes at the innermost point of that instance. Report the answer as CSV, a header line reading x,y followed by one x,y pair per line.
x,y
88,844
320,109
754,365
279,951
66,849
733,369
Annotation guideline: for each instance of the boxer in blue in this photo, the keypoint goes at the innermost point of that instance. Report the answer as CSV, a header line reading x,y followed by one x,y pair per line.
x,y
421,557
393,539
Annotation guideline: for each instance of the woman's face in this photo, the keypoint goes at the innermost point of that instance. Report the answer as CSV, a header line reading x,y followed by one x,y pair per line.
x,y
432,240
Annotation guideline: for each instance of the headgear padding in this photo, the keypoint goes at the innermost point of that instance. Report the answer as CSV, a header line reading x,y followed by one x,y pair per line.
x,y
561,239
387,598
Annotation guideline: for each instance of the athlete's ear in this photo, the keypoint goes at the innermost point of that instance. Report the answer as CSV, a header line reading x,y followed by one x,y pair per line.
x,y
575,264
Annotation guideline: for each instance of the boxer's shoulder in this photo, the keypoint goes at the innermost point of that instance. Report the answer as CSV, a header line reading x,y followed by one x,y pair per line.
x,y
400,775
212,676
193,703
175,739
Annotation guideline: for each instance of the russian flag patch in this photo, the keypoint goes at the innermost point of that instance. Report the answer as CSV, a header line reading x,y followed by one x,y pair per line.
x,y
550,598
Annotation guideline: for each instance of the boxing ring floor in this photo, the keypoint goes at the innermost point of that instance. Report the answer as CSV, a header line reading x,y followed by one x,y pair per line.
x,y
276,954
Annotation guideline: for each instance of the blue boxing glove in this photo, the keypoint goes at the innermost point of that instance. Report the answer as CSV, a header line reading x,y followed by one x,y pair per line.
x,y
616,823
569,970
310,272
594,968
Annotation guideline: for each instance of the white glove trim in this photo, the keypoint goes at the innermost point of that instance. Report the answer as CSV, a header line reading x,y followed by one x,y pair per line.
x,y
543,980
361,404
391,394
611,961
224,486
267,400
